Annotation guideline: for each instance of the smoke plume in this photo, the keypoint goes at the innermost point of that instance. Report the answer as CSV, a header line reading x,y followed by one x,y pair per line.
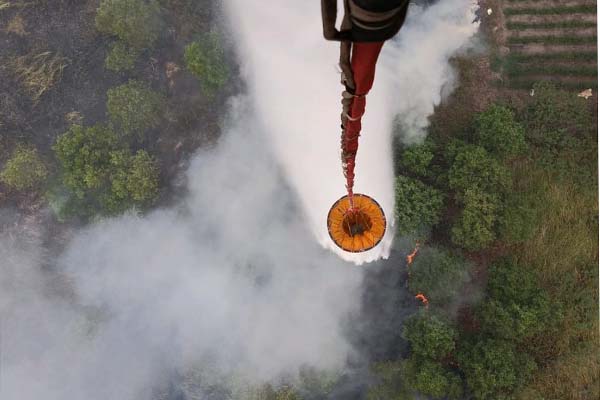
x,y
296,91
233,277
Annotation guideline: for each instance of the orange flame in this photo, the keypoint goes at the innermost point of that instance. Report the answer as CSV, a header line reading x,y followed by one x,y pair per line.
x,y
411,256
423,299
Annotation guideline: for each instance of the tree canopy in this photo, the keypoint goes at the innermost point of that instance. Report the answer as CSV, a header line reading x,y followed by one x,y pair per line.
x,y
498,132
98,170
429,336
205,59
418,205
438,273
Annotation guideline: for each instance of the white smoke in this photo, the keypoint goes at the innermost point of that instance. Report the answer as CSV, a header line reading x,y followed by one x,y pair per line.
x,y
233,275
296,90
415,65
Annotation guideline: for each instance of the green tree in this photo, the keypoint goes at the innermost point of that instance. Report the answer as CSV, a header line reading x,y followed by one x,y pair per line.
x,y
103,175
135,22
499,133
134,108
438,273
85,154
493,368
429,336
431,379
24,169
418,205
473,168
205,59
474,229
516,306
417,158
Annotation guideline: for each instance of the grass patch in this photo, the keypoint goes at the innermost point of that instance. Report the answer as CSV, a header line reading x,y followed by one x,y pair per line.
x,y
582,9
38,73
563,252
550,25
552,39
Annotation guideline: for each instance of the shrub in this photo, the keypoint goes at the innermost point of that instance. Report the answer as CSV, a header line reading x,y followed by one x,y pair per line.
x,y
557,110
24,169
206,60
417,205
499,133
493,368
142,184
439,274
519,216
391,382
474,230
417,158
429,336
133,107
120,57
473,169
135,22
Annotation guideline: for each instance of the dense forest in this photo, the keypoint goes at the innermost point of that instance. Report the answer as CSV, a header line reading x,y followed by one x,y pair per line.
x,y
492,290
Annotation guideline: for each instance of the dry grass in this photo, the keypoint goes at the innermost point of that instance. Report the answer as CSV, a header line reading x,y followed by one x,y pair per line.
x,y
16,26
38,73
564,254
574,377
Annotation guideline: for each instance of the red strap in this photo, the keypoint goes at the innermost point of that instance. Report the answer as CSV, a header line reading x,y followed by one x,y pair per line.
x,y
364,60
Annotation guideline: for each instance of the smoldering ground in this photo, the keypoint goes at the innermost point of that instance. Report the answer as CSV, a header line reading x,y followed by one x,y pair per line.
x,y
232,279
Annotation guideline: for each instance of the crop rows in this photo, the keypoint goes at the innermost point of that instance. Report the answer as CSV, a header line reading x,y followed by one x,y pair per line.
x,y
534,69
559,56
551,39
550,25
558,45
579,9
